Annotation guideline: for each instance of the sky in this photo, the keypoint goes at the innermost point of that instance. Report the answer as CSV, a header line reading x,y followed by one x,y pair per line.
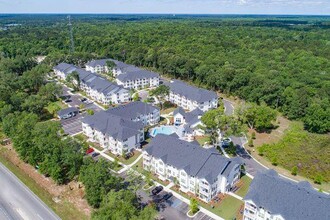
x,y
303,7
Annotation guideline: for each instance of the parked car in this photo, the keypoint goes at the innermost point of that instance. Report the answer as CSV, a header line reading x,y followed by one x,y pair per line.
x,y
157,190
83,99
70,115
68,100
166,196
95,154
89,150
225,142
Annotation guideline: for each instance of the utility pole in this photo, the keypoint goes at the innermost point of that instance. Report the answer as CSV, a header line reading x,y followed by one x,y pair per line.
x,y
71,35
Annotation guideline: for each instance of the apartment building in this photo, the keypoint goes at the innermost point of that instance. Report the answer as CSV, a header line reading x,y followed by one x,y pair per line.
x,y
203,172
272,197
104,91
120,129
138,111
136,78
63,69
101,66
190,121
114,133
190,97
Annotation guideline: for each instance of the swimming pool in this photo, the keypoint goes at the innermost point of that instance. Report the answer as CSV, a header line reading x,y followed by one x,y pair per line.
x,y
166,130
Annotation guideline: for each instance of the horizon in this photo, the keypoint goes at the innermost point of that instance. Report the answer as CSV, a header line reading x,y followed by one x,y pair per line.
x,y
185,7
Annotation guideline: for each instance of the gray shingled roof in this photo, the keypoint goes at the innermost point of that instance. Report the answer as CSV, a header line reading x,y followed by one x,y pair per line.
x,y
191,92
189,156
103,62
63,66
116,127
136,73
66,111
132,110
289,199
179,110
101,84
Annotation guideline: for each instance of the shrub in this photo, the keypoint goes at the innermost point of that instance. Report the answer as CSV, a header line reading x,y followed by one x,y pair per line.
x,y
261,151
274,161
168,104
90,112
250,143
294,171
193,205
253,135
318,179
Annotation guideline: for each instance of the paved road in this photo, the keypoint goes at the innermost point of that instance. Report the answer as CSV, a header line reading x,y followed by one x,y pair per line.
x,y
18,202
251,166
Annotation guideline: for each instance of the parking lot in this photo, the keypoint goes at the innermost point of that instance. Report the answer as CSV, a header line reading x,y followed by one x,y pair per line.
x,y
172,208
72,125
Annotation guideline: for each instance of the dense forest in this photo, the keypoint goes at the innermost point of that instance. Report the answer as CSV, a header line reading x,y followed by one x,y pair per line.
x,y
281,61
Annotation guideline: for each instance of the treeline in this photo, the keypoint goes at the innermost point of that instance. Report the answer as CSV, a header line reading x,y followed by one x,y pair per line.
x,y
24,95
286,68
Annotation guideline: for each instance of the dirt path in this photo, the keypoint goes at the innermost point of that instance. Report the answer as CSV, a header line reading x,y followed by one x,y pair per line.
x,y
72,192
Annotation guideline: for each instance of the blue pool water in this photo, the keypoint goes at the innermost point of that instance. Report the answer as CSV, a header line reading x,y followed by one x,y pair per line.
x,y
163,130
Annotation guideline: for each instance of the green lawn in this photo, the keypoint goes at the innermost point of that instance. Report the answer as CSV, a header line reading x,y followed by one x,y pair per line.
x,y
123,160
227,208
54,107
167,111
202,139
242,191
64,209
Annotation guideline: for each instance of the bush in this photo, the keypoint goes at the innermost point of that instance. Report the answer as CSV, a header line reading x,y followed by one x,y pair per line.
x,y
274,161
193,206
90,112
250,142
294,171
261,151
318,179
253,135
168,104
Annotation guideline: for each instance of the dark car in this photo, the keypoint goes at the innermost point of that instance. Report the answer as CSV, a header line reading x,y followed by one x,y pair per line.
x,y
83,99
157,190
166,196
68,100
95,154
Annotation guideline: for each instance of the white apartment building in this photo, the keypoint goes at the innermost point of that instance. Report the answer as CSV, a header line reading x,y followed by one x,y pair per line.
x,y
120,129
136,78
63,69
104,91
101,66
200,171
138,111
113,133
272,197
190,97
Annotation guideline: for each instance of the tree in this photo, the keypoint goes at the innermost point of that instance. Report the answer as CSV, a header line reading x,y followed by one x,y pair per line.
x,y
136,97
256,116
193,205
160,92
90,111
98,180
110,65
50,91
74,79
317,117
294,171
